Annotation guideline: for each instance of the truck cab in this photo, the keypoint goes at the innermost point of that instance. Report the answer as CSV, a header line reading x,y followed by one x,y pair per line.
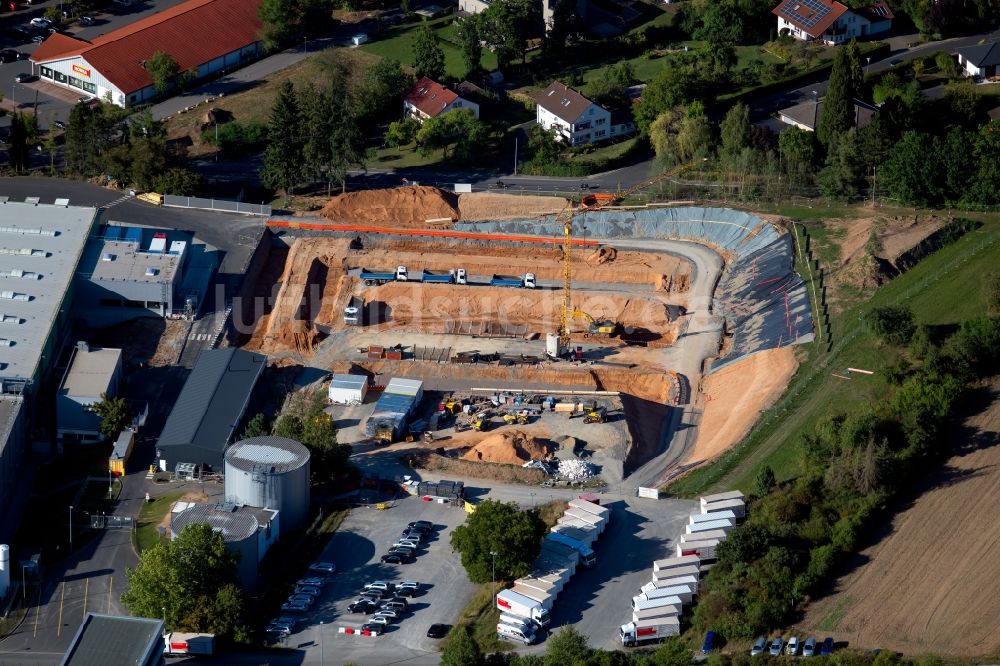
x,y
401,275
461,277
529,281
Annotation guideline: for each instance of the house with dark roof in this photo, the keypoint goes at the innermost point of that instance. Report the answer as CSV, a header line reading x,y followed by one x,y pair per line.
x,y
202,36
806,115
210,408
430,99
980,60
830,21
576,120
103,640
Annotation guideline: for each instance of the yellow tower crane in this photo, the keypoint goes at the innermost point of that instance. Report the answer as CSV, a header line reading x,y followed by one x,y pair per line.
x,y
567,215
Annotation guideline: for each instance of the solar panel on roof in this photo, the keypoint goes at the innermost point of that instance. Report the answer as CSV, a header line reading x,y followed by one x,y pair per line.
x,y
815,13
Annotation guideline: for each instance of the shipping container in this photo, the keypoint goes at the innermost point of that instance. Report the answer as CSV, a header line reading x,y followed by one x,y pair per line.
x,y
597,521
667,574
709,517
691,581
669,610
702,536
737,506
543,598
721,497
590,507
705,550
683,592
673,563
711,525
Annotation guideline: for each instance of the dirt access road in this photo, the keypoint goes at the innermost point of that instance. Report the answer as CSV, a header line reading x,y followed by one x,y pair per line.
x,y
933,584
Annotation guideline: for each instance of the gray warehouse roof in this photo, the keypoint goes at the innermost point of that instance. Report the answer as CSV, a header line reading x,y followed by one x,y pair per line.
x,y
349,381
235,523
210,406
90,372
278,454
120,260
105,640
40,248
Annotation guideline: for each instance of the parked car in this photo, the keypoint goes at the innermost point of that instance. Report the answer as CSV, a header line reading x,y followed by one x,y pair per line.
x,y
827,647
24,77
376,628
405,543
389,613
776,646
323,567
294,607
8,55
402,547
759,646
380,585
408,584
313,581
86,20
39,22
38,39
792,648
278,627
709,643
59,125
362,606
379,619
311,590
302,598
438,630
421,524
809,647
396,558
408,592
399,605
376,594
895,62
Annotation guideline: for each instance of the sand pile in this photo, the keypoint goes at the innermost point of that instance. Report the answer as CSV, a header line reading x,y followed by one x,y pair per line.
x,y
494,206
603,255
510,447
404,207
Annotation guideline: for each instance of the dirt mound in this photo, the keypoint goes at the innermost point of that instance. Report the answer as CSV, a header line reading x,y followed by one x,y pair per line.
x,y
405,207
510,447
494,206
603,255
945,602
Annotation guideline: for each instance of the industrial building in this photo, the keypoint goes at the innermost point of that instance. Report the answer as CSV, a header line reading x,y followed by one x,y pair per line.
x,y
348,389
41,246
129,272
103,640
204,37
394,409
270,473
92,372
210,408
247,531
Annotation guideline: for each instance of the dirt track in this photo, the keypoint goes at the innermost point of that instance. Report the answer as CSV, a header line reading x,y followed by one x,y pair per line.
x,y
933,584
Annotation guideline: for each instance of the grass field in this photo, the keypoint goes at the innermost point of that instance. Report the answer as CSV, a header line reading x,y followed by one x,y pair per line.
x,y
397,44
151,514
942,289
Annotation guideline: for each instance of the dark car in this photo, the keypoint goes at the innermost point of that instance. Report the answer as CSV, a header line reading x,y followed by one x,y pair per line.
x,y
59,125
438,631
24,77
407,592
396,558
371,627
895,62
421,524
86,20
827,647
709,643
8,55
362,607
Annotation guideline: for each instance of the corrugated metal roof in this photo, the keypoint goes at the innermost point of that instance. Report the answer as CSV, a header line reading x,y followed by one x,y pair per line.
x,y
234,525
192,33
104,639
349,381
403,386
392,403
278,454
210,406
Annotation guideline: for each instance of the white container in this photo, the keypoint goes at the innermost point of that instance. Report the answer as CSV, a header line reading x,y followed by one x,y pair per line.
x,y
646,604
658,611
673,563
709,517
737,506
667,574
721,497
702,536
691,582
348,389
596,509
710,525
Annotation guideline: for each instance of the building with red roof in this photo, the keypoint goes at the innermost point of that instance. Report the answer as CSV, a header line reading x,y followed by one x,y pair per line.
x,y
430,99
203,36
830,21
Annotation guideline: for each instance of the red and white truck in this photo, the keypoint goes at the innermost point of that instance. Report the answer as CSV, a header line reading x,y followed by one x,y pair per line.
x,y
518,604
178,644
649,631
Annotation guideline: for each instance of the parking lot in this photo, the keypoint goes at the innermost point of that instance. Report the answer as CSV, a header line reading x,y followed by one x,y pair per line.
x,y
356,549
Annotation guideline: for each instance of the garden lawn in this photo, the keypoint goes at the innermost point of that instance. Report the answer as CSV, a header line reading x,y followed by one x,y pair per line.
x,y
397,44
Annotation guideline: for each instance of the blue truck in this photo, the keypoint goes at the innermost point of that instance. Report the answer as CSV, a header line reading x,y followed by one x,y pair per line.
x,y
527,281
453,276
372,278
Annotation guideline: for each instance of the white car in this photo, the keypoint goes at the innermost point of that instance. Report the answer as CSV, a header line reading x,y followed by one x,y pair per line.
x,y
412,584
323,567
382,585
378,619
792,648
39,22
387,613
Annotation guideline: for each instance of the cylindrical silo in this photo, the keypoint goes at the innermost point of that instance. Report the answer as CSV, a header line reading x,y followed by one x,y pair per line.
x,y
4,570
272,473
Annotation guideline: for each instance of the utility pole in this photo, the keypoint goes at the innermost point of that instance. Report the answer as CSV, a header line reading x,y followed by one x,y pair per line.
x,y
71,528
515,155
493,585
874,167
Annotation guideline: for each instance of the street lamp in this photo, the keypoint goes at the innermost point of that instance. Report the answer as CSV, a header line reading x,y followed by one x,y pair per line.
x,y
71,528
493,585
321,659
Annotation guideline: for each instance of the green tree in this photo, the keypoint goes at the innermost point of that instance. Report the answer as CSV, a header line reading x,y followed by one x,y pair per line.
x,y
179,182
765,482
258,426
53,14
51,143
844,172
19,150
543,146
893,323
505,26
289,426
162,68
837,115
428,58
671,86
401,132
567,647
191,581
985,184
962,98
381,93
114,414
283,165
694,137
797,150
946,64
991,291
502,528
461,650
734,132
278,19
564,24
467,33
459,128
912,173
673,652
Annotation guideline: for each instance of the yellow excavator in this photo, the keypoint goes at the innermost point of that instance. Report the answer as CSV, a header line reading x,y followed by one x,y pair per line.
x,y
597,326
595,415
481,422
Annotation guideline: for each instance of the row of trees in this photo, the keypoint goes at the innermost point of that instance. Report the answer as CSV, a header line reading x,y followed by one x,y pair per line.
x,y
854,466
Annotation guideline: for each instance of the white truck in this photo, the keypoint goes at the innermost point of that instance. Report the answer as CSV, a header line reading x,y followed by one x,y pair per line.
x,y
672,610
691,581
509,601
683,591
709,517
649,631
178,644
737,506
702,536
710,525
674,563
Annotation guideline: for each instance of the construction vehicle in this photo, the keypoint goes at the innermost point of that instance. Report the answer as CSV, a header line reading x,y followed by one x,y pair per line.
x,y
373,278
566,217
595,415
452,406
527,281
453,276
510,418
481,422
384,434
597,326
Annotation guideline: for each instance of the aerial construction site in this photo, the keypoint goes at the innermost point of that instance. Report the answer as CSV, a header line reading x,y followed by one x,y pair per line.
x,y
585,341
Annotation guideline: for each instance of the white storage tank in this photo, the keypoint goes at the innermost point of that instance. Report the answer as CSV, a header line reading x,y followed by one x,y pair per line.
x,y
273,473
348,389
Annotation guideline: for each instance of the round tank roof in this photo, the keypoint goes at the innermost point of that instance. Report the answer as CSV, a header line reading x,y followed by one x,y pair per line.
x,y
278,454
234,523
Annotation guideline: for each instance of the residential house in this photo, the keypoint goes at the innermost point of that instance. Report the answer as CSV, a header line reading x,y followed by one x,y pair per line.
x,y
622,122
806,115
576,120
980,60
830,21
430,99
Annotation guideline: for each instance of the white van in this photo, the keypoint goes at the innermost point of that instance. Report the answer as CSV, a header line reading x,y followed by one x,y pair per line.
x,y
518,621
512,633
359,39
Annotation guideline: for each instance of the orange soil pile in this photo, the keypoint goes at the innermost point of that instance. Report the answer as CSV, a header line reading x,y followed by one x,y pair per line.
x,y
734,397
427,306
510,447
493,206
933,584
313,284
402,207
